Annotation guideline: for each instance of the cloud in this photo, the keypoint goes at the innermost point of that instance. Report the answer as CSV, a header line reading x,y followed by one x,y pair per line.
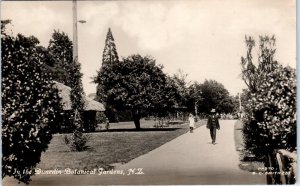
x,y
203,38
98,15
155,25
38,19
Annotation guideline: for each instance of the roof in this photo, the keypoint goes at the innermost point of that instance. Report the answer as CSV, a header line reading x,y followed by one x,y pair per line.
x,y
64,94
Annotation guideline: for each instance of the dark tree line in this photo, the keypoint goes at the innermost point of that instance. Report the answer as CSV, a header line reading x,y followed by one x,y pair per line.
x,y
137,84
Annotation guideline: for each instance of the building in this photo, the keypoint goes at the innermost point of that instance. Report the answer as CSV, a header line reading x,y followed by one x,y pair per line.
x,y
91,108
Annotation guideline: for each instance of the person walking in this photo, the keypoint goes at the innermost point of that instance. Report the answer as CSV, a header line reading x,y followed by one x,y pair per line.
x,y
191,122
213,125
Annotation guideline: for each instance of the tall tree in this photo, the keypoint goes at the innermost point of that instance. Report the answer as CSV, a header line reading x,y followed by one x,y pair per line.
x,y
60,63
60,49
78,141
106,72
110,54
66,70
30,106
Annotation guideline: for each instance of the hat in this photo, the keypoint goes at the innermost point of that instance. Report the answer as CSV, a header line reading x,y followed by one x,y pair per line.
x,y
213,110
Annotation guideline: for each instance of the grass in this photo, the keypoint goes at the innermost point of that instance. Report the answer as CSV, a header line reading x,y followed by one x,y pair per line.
x,y
118,145
251,166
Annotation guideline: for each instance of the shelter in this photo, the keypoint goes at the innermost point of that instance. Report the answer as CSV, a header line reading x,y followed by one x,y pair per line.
x,y
91,108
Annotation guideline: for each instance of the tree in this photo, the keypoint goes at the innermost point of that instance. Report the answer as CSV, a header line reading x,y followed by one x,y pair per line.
x,y
139,85
245,97
67,71
110,55
249,74
78,140
60,51
270,121
183,85
106,72
228,105
195,94
30,106
214,96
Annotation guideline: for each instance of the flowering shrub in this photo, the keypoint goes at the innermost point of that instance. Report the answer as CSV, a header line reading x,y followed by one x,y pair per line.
x,y
270,121
274,111
30,106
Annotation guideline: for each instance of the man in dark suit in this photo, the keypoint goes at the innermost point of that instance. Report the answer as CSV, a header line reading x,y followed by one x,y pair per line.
x,y
213,125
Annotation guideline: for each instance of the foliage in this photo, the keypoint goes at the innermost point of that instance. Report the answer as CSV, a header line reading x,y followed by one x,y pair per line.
x,y
65,70
249,74
30,106
228,105
270,121
60,55
214,95
179,80
110,54
100,118
78,140
109,58
195,97
245,96
3,26
77,93
138,84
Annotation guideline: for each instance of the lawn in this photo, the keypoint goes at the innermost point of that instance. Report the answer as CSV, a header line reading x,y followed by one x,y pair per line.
x,y
251,166
118,145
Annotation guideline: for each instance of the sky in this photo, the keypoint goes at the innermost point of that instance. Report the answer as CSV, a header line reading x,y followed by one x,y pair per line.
x,y
203,38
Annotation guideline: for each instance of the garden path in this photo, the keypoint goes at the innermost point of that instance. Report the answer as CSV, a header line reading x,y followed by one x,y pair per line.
x,y
187,160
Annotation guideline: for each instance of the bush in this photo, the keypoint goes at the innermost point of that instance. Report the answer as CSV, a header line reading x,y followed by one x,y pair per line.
x,y
77,141
30,106
270,121
274,112
100,118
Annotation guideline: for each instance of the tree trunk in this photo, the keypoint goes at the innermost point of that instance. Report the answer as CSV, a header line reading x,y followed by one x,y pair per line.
x,y
136,119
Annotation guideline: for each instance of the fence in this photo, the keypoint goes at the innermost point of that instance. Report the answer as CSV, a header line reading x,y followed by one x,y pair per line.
x,y
284,168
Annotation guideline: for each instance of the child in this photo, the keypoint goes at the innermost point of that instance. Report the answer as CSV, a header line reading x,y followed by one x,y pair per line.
x,y
106,123
191,122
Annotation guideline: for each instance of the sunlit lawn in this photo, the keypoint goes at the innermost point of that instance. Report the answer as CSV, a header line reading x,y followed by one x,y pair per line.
x,y
119,145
